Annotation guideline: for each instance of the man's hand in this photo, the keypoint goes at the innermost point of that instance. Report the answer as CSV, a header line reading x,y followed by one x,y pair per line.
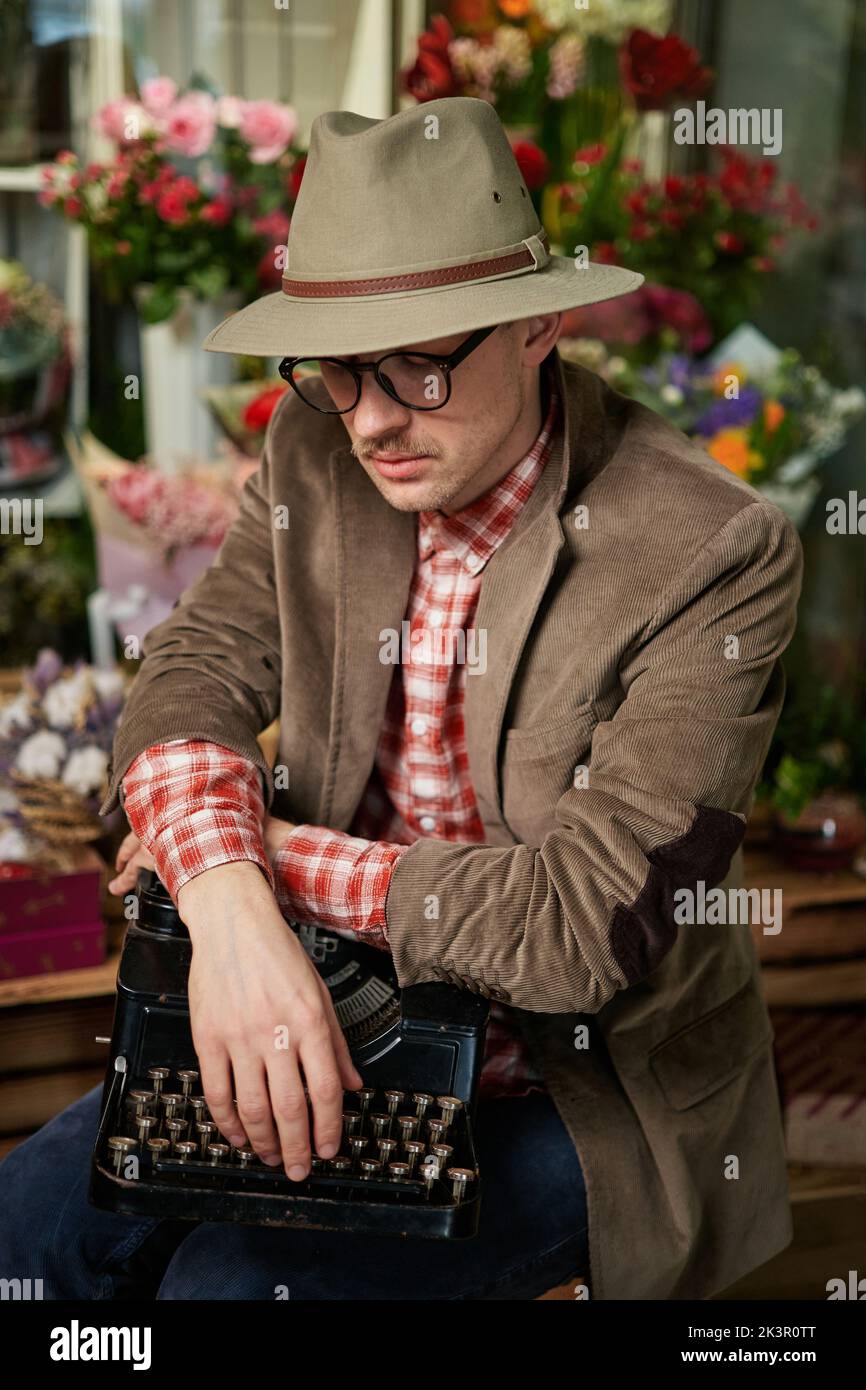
x,y
261,1014
131,857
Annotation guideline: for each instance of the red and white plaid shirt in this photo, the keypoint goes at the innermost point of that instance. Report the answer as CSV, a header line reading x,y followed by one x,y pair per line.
x,y
195,804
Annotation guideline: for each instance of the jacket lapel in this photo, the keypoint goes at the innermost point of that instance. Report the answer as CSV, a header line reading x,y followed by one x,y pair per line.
x,y
375,558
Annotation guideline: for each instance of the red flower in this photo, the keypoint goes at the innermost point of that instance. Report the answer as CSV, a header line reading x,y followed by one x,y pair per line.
x,y
728,242
296,177
432,75
532,163
590,154
261,408
218,212
656,70
605,253
172,207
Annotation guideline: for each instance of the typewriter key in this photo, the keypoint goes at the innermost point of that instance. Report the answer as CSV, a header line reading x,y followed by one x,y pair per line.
x,y
340,1164
144,1124
187,1080
365,1096
198,1106
175,1129
449,1105
386,1148
408,1126
436,1131
157,1148
421,1100
218,1154
185,1149
380,1125
158,1075
205,1130
119,1146
173,1105
399,1172
140,1100
460,1180
357,1144
244,1157
441,1153
394,1098
351,1120
370,1168
413,1150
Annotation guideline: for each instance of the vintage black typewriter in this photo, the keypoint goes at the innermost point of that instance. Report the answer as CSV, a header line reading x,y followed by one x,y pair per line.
x,y
407,1162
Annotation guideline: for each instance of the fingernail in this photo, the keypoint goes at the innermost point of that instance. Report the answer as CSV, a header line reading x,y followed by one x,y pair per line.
x,y
327,1150
297,1172
238,1140
271,1159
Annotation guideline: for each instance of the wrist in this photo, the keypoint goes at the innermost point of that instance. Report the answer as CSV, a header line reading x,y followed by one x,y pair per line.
x,y
213,894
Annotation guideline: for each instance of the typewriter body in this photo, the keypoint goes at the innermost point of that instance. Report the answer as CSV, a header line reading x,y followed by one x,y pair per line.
x,y
407,1162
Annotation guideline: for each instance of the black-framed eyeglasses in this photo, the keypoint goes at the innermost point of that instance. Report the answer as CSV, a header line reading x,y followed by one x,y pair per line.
x,y
418,380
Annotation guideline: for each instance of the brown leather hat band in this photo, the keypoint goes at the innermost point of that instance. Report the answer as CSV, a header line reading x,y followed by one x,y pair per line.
x,y
415,279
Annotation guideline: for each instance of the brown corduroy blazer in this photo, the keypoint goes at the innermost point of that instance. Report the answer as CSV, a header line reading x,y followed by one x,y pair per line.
x,y
635,617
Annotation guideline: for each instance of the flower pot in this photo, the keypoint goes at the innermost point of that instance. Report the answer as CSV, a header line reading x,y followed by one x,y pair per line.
x,y
175,372
826,836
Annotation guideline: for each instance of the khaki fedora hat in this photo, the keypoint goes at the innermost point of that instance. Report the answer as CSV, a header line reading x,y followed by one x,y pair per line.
x,y
408,229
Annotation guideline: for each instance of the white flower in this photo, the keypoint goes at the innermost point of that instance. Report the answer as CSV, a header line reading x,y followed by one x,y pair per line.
x,y
108,683
13,846
63,700
8,802
85,770
230,112
41,755
671,395
606,19
616,366
15,715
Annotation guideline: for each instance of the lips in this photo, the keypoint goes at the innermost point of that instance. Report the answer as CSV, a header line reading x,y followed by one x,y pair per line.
x,y
398,465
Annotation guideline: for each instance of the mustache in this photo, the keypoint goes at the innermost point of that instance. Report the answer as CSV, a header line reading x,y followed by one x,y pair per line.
x,y
365,448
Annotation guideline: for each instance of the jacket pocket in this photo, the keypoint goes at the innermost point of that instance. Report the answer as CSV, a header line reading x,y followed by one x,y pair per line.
x,y
538,768
705,1055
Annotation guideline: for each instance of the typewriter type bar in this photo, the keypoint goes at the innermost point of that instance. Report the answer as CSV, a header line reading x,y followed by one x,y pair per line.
x,y
406,1163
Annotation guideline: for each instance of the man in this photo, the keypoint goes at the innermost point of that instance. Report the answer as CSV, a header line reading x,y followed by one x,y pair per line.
x,y
523,639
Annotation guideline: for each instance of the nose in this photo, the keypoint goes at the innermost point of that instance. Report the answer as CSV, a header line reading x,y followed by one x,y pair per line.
x,y
376,412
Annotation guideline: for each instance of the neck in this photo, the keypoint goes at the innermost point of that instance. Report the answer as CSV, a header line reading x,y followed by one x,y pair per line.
x,y
514,448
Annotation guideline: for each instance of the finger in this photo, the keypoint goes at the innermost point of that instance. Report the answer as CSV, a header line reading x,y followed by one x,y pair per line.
x,y
290,1111
216,1081
129,845
128,877
325,1088
254,1104
351,1078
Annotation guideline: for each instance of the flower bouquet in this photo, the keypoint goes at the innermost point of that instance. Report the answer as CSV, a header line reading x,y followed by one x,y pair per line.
x,y
55,737
243,410
763,413
35,365
194,198
155,533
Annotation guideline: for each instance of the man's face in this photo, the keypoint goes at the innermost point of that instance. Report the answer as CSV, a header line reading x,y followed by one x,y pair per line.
x,y
426,460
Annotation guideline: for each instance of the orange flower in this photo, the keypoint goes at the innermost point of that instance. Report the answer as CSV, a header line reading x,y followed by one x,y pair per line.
x,y
722,374
731,448
774,414
515,9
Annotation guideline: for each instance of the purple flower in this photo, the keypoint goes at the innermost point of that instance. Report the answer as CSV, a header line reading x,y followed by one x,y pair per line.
x,y
46,669
726,414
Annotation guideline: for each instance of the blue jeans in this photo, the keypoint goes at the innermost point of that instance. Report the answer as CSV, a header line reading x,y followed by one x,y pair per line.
x,y
532,1233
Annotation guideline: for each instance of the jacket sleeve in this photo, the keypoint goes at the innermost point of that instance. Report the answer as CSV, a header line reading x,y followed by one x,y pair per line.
x,y
671,776
211,670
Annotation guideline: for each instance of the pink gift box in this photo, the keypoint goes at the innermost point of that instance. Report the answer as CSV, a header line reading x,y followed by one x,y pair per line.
x,y
122,565
45,950
42,900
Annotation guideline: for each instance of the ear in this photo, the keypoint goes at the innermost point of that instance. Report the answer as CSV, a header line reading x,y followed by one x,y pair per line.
x,y
542,332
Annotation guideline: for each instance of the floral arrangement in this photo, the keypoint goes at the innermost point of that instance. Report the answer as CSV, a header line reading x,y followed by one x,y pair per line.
x,y
714,236
33,340
244,409
195,197
769,424
168,511
55,740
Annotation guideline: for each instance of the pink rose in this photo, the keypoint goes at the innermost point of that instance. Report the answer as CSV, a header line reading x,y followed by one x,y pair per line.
x,y
190,124
269,128
157,95
230,111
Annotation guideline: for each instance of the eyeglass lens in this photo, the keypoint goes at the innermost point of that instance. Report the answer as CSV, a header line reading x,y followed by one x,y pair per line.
x,y
416,381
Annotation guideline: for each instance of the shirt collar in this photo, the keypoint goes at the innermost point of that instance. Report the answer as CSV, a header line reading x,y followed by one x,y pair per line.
x,y
475,532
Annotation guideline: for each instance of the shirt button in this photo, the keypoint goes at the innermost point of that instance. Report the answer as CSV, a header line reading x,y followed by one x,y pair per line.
x,y
419,726
427,823
424,788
